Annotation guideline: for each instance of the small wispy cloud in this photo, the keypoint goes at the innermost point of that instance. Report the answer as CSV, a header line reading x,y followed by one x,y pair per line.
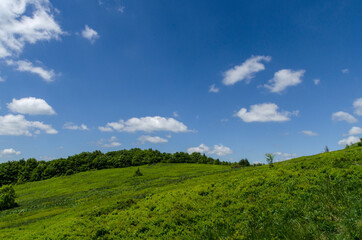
x,y
245,71
72,126
309,133
109,143
345,70
152,139
90,34
343,116
27,66
214,89
284,78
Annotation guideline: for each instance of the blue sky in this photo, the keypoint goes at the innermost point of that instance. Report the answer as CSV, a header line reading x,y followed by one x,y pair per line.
x,y
230,79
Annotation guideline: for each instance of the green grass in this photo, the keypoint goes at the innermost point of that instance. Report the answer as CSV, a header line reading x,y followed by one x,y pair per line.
x,y
316,197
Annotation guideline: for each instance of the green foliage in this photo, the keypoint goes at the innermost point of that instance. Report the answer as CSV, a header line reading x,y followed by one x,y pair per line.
x,y
269,158
244,162
137,173
7,197
32,170
315,197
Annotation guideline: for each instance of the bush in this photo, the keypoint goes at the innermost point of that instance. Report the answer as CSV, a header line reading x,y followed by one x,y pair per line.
x,y
7,197
137,173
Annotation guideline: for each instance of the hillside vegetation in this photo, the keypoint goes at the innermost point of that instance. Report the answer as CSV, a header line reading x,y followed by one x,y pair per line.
x,y
32,170
315,197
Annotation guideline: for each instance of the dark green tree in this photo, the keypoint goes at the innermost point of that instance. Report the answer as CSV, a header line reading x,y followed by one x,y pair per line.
x,y
138,173
7,197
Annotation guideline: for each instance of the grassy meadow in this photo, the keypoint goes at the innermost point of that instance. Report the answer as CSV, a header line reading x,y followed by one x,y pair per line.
x,y
315,197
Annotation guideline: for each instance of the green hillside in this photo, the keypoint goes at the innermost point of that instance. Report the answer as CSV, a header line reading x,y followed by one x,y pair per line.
x,y
316,197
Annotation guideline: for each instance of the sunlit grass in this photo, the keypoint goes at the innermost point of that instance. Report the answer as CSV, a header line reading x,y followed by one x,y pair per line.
x,y
316,197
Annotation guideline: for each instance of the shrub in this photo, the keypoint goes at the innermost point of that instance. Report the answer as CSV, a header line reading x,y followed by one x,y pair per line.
x,y
7,197
137,173
269,158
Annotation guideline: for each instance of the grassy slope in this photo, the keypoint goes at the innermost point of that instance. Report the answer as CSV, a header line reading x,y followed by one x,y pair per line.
x,y
317,197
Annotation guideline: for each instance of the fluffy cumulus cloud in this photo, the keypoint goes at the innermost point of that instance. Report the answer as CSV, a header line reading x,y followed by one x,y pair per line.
x,y
309,133
343,116
25,21
358,106
200,149
284,78
355,131
349,140
26,66
9,152
152,139
90,34
213,89
31,106
72,126
145,124
265,112
245,71
17,125
219,150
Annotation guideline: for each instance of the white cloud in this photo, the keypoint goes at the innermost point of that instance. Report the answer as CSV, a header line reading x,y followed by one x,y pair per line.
x,y
284,156
343,116
316,81
175,114
109,143
213,89
31,106
72,126
358,106
2,79
309,133
280,154
221,150
9,151
265,112
146,124
26,66
121,9
345,70
90,34
200,149
25,21
245,71
284,78
349,140
355,131
17,125
151,139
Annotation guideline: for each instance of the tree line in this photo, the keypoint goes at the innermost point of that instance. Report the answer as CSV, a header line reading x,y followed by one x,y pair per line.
x,y
30,170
